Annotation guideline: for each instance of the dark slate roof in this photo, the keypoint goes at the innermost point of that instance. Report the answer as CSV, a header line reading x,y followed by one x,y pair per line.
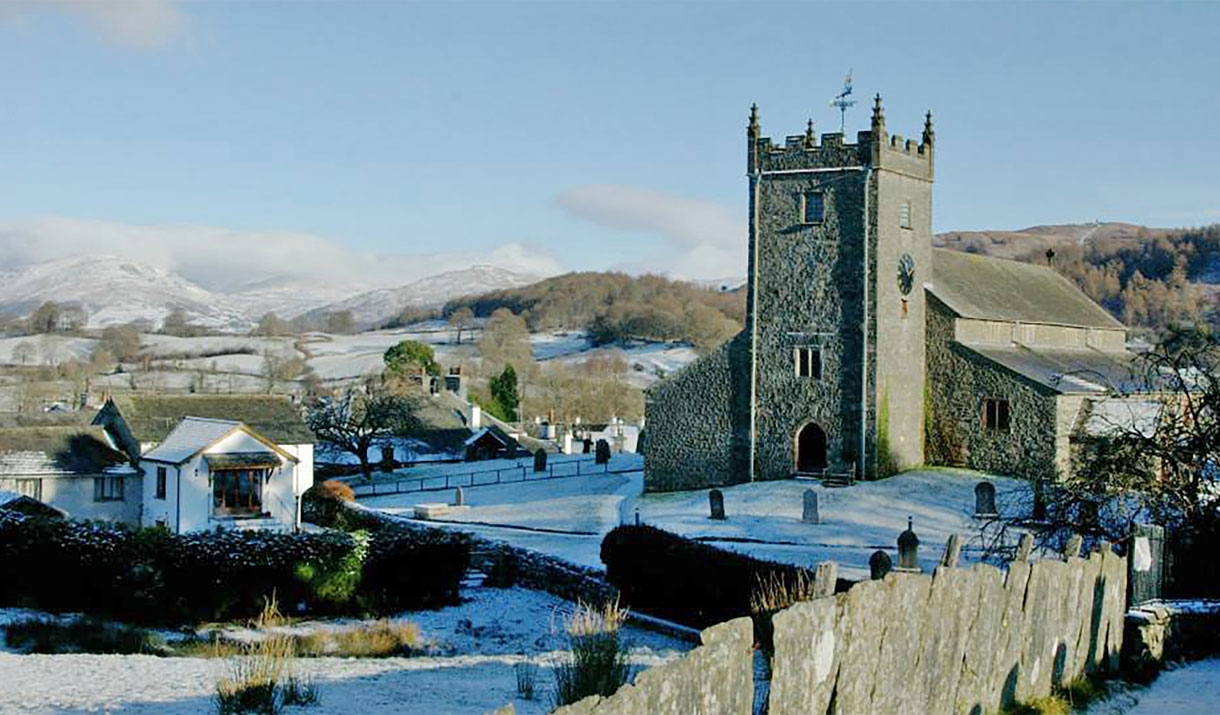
x,y
987,288
33,451
152,417
1066,371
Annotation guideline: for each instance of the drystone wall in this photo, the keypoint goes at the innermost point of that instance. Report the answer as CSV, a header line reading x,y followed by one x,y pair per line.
x,y
958,641
714,679
697,422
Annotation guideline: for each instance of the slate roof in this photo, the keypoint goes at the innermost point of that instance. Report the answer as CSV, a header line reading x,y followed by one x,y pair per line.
x,y
59,451
975,286
1064,370
190,437
151,418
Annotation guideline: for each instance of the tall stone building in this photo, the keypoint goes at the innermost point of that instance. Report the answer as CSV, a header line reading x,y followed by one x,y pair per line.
x,y
863,345
828,373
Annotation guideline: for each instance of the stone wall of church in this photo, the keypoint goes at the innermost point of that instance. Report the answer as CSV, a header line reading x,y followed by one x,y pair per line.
x,y
696,422
958,382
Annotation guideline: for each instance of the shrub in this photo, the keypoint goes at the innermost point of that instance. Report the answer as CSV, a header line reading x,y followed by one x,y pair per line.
x,y
151,576
82,635
597,664
382,639
686,581
322,503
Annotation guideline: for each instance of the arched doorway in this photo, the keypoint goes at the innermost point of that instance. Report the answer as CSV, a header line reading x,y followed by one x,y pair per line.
x,y
810,449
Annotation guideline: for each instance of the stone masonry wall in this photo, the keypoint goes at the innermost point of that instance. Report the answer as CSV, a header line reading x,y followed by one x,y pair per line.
x,y
696,426
958,381
716,678
959,641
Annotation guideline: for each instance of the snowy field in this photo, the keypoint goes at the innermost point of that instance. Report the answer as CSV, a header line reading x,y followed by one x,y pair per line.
x,y
1189,689
479,643
568,517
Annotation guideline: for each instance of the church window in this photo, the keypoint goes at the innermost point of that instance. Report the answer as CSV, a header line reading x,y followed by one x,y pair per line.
x,y
813,207
809,363
904,215
995,415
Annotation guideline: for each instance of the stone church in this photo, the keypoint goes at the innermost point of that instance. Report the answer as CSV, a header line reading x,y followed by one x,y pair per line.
x,y
866,350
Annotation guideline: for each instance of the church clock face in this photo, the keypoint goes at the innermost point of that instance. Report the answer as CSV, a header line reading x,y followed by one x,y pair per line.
x,y
906,273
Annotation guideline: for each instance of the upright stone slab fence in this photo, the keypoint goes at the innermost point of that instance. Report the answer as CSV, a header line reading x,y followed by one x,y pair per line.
x,y
717,678
958,641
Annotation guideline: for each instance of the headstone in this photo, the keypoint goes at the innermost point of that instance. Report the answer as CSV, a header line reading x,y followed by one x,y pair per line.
x,y
715,500
602,455
953,551
588,445
1145,570
1039,501
459,497
984,499
387,458
809,509
540,460
879,564
908,549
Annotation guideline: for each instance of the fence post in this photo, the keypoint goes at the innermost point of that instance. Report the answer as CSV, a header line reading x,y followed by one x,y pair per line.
x,y
1145,564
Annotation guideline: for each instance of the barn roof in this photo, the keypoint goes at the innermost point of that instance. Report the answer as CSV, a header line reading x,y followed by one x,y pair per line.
x,y
152,417
1064,370
53,451
987,288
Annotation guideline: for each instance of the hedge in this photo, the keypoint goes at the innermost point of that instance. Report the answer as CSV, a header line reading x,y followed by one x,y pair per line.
x,y
682,580
153,576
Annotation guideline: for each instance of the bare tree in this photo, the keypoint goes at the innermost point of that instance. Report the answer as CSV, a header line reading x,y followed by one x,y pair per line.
x,y
459,320
25,352
278,369
361,416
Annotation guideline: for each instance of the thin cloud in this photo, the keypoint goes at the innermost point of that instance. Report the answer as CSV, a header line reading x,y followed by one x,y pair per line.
x,y
225,260
141,24
707,239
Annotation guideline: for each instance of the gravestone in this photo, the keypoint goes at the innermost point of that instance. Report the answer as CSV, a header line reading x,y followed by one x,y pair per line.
x,y
1145,563
953,551
879,564
540,460
1039,501
715,500
602,455
387,458
588,445
459,497
809,510
908,549
984,499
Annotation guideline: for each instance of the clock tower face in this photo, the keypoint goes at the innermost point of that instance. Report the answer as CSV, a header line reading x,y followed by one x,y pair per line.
x,y
906,273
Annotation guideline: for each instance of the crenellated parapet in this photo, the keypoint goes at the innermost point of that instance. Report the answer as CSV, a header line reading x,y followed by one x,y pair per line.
x,y
874,148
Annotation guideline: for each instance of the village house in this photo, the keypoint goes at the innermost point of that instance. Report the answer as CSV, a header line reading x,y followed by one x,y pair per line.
x,y
866,350
73,468
210,461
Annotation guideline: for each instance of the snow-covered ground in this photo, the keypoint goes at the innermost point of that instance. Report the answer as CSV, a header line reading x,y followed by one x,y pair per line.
x,y
481,640
1189,689
764,518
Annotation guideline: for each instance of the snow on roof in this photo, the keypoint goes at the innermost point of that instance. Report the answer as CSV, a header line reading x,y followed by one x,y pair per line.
x,y
7,497
1116,417
190,437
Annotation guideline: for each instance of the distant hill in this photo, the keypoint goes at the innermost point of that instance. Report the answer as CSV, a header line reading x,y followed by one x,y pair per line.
x,y
1149,278
378,307
615,307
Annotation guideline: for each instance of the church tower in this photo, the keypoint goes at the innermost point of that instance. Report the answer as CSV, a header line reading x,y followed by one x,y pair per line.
x,y
840,246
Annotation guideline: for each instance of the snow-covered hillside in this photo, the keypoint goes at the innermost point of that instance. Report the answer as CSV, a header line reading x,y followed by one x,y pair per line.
x,y
378,306
112,291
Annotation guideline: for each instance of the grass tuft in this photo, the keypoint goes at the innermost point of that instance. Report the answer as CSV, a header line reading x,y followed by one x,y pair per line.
x,y
597,663
527,679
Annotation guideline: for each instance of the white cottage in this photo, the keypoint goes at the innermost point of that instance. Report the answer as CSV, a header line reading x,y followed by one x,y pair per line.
x,y
209,473
211,461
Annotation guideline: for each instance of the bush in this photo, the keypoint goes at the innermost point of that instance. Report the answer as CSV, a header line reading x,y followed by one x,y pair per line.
x,y
686,581
321,503
152,576
82,635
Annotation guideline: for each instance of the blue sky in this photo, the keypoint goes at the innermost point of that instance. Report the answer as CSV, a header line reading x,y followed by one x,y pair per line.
x,y
574,135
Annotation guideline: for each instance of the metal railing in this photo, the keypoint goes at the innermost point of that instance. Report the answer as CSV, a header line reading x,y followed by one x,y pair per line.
x,y
487,477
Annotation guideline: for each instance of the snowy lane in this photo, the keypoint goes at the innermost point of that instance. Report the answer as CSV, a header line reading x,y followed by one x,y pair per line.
x,y
1189,689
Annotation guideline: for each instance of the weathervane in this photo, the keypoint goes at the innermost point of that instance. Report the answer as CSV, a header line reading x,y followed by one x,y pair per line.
x,y
842,102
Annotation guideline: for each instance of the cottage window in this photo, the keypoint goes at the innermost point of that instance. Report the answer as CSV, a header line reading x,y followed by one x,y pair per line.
x,y
995,415
809,363
238,492
813,207
904,214
160,483
107,489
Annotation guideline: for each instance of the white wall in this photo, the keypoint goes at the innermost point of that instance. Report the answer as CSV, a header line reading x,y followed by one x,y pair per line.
x,y
74,494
